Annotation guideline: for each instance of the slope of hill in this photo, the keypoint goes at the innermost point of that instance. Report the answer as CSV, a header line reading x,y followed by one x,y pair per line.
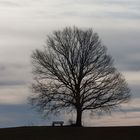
x,y
70,133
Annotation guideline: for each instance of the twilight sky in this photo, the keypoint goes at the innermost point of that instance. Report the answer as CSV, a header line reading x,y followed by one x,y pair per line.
x,y
24,25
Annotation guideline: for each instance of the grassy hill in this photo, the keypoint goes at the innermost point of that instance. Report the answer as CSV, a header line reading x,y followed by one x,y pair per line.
x,y
70,133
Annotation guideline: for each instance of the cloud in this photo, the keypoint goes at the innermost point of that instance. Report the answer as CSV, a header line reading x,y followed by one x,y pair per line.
x,y
110,2
14,74
128,115
132,76
123,15
122,119
129,62
81,9
14,95
25,23
102,14
99,9
8,3
12,83
19,115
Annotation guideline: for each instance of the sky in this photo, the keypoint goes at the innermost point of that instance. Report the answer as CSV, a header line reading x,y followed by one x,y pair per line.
x,y
24,26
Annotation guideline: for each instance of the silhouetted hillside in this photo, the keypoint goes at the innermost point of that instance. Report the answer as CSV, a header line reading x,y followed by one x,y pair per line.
x,y
70,133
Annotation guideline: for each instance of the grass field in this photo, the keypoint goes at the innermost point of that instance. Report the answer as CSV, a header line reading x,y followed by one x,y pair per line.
x,y
70,133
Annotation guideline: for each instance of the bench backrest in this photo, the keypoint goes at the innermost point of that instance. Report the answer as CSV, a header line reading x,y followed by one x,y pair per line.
x,y
57,122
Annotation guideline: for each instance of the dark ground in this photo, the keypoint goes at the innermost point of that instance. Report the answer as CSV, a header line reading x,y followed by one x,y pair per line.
x,y
70,133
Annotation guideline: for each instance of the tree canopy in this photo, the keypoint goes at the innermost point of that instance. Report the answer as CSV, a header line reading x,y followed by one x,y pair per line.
x,y
74,72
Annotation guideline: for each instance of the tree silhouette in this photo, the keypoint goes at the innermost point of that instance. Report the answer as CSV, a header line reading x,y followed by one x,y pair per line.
x,y
74,72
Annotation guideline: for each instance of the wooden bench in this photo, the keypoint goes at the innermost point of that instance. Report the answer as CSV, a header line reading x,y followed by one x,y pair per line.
x,y
57,123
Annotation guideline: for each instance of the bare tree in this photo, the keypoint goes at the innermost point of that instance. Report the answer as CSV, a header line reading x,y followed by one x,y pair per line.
x,y
75,72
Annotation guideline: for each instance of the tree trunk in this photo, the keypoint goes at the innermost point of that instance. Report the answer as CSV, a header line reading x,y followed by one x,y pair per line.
x,y
79,118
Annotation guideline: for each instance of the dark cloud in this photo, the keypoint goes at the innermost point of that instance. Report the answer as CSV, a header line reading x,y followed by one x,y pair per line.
x,y
19,115
126,61
135,90
2,67
12,83
130,110
123,46
23,115
14,74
